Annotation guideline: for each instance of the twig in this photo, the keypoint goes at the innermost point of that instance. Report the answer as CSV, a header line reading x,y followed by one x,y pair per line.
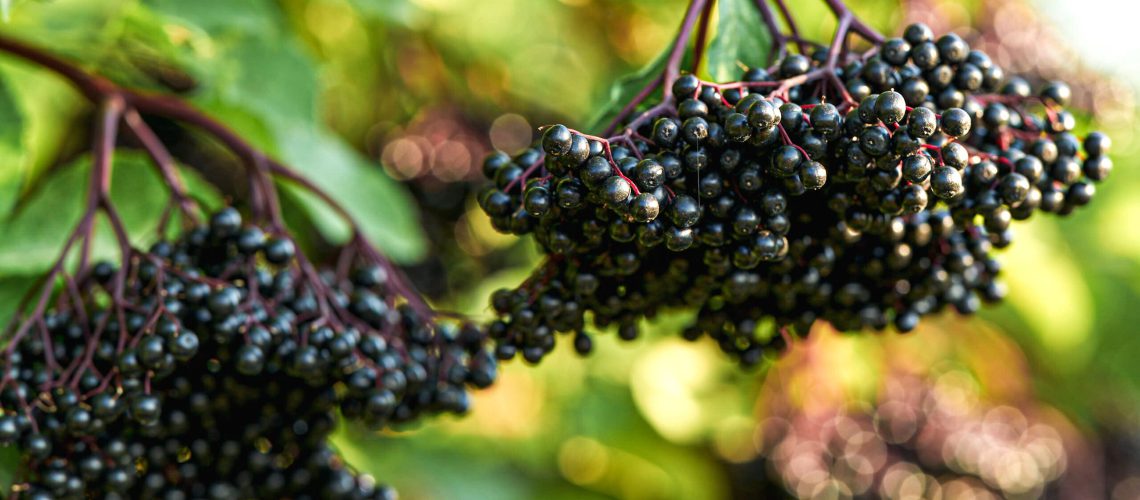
x,y
673,65
164,162
702,33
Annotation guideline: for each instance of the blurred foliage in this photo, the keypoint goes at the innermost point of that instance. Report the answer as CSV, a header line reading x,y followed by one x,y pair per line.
x,y
334,86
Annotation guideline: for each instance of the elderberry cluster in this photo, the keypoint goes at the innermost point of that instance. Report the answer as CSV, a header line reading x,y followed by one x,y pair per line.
x,y
861,194
213,366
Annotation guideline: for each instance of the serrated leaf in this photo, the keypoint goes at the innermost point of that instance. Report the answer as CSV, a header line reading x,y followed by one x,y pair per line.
x,y
31,240
379,204
13,159
626,88
741,37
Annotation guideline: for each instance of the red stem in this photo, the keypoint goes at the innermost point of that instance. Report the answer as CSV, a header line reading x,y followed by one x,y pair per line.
x,y
780,41
163,161
673,66
702,33
787,15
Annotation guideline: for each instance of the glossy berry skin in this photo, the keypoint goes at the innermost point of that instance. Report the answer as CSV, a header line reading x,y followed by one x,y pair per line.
x,y
875,141
896,51
890,107
537,201
557,140
650,174
764,115
225,223
1014,188
794,65
955,122
922,123
685,211
644,207
1056,93
685,86
813,174
666,131
692,108
825,119
694,130
1097,144
955,155
1097,168
146,409
946,183
494,162
917,33
279,251
916,168
616,190
736,127
786,161
952,48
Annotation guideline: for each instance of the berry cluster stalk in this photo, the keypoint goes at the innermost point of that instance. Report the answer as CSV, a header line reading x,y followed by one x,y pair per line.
x,y
119,106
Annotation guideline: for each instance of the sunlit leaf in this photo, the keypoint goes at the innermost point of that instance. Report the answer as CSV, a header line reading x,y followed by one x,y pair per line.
x,y
380,205
741,38
625,89
222,17
1046,288
12,291
31,240
9,464
13,159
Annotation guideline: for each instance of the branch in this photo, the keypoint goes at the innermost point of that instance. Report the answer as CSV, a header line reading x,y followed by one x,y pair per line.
x,y
163,161
702,34
841,10
632,105
673,66
787,15
780,41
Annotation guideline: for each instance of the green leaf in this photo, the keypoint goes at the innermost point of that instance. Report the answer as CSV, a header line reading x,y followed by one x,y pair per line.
x,y
9,465
32,239
268,92
12,291
626,88
48,105
12,147
1035,268
741,37
379,204
275,80
251,18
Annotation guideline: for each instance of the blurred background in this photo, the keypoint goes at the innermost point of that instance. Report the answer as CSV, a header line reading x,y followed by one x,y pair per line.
x,y
395,102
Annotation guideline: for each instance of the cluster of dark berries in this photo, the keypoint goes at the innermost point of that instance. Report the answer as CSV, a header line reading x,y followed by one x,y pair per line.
x,y
861,195
213,366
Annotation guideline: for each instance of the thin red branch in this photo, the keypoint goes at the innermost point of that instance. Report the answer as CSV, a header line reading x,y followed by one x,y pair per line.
x,y
164,162
673,65
791,22
779,40
702,34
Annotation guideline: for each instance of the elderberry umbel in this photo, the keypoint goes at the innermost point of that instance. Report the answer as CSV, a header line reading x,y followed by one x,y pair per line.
x,y
213,366
860,189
